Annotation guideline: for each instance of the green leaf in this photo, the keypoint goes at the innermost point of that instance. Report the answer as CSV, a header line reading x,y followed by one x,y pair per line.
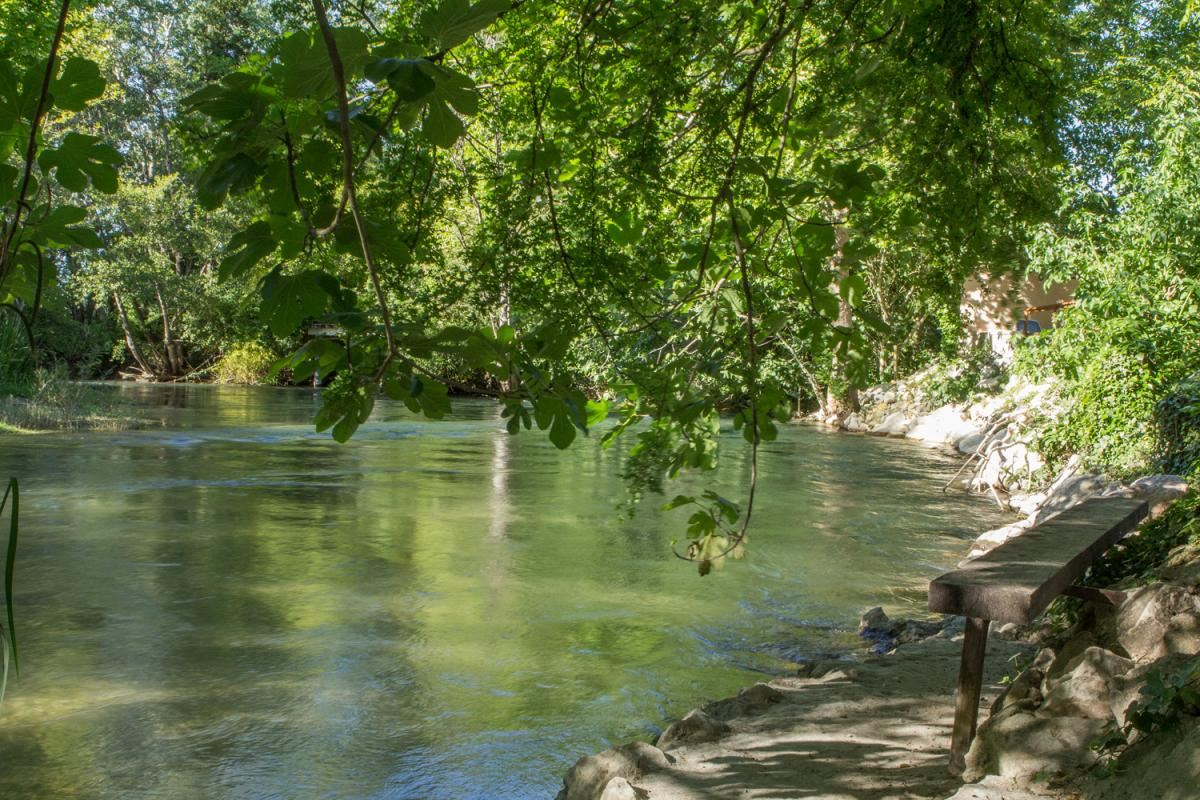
x,y
60,228
625,229
853,290
288,300
319,356
455,21
8,183
291,234
305,70
562,432
454,88
597,412
404,76
10,96
442,126
79,158
678,501
247,247
230,174
78,82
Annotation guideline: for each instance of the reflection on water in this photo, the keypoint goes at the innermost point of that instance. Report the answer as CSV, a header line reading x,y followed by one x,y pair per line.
x,y
228,605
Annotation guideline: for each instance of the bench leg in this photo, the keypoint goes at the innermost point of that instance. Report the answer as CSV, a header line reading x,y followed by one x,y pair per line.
x,y
966,699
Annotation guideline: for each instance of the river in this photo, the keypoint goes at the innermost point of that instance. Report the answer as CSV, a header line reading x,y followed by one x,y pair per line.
x,y
226,604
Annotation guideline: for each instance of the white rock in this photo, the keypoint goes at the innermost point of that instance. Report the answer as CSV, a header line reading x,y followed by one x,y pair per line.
x,y
1159,490
619,789
696,727
1159,620
854,424
1026,504
944,426
591,775
894,424
994,787
1086,687
1071,492
992,539
971,442
1021,745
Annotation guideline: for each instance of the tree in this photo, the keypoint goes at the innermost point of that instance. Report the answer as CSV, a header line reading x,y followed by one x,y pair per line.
x,y
666,196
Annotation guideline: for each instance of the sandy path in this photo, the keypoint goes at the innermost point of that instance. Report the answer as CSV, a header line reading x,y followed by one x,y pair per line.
x,y
876,730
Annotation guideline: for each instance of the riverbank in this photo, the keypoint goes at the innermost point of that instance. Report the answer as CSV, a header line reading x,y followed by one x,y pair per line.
x,y
54,402
871,729
1092,700
1099,702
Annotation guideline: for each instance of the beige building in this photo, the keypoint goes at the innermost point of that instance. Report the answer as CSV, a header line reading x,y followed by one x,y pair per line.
x,y
996,308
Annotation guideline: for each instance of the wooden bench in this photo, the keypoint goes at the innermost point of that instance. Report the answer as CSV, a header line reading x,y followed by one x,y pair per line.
x,y
1016,581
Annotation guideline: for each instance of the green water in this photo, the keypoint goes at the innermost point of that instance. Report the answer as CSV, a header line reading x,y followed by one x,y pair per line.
x,y
227,605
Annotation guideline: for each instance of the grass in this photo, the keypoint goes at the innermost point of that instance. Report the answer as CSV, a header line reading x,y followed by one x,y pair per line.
x,y
53,402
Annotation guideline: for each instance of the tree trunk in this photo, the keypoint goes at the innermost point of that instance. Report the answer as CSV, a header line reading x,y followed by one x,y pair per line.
x,y
841,399
130,342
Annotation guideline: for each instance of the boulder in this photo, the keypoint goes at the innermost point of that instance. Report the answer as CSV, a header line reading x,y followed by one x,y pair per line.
x,y
751,701
1026,688
894,424
1072,491
1021,745
1128,687
1026,504
696,727
1158,620
1164,767
992,539
619,789
1064,658
1159,490
874,619
888,633
1182,566
854,424
993,787
1085,688
970,443
944,426
591,775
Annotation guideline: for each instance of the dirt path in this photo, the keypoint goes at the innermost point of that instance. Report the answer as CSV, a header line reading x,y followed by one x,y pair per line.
x,y
869,731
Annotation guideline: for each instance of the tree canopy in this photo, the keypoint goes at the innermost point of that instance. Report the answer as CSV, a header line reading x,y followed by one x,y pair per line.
x,y
582,207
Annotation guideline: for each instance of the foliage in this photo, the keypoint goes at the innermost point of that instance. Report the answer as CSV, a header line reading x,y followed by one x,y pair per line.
x,y
16,361
1129,233
670,211
54,401
1178,418
1136,558
957,380
1167,698
246,363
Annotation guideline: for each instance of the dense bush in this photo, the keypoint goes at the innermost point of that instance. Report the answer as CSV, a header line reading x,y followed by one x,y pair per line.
x,y
957,379
245,362
1178,417
16,365
1126,355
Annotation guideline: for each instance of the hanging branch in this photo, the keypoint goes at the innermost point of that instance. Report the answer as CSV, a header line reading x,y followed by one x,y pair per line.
x,y
349,194
31,146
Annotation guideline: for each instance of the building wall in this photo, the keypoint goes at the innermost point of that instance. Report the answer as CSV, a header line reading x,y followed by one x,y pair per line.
x,y
991,306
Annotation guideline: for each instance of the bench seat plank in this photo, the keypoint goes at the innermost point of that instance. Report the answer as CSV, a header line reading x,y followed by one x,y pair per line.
x,y
1017,580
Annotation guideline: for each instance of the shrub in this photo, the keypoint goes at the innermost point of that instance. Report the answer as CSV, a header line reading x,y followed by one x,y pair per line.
x,y
244,363
956,381
1178,419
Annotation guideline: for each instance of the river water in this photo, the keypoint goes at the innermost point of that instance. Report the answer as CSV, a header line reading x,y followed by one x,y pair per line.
x,y
227,605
